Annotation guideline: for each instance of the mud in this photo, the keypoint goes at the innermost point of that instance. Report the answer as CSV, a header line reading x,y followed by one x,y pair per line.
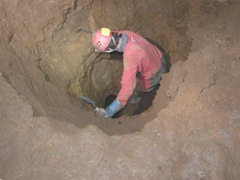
x,y
189,131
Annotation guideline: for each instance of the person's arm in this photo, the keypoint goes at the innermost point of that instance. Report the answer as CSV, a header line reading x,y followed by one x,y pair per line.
x,y
128,84
112,109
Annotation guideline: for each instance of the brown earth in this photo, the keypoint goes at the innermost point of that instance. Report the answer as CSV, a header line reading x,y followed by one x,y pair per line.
x,y
191,130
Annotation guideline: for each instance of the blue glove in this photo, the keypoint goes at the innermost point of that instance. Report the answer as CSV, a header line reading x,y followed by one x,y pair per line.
x,y
113,108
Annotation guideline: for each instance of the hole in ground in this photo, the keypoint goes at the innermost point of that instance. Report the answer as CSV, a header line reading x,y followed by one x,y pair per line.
x,y
106,77
134,109
48,100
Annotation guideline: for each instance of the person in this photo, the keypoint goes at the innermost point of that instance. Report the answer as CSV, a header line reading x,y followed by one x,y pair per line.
x,y
143,66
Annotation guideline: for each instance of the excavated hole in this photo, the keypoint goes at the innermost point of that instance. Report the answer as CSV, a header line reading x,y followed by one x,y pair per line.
x,y
62,64
102,84
105,78
197,136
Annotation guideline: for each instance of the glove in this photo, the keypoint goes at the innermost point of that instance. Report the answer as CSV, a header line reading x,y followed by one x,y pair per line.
x,y
100,112
113,108
110,110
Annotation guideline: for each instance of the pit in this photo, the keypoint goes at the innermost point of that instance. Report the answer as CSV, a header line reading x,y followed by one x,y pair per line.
x,y
57,62
188,128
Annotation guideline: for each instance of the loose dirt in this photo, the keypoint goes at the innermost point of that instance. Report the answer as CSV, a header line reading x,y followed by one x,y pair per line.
x,y
189,131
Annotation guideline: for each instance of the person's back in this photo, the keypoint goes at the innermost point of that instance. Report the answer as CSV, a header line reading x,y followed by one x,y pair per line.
x,y
138,51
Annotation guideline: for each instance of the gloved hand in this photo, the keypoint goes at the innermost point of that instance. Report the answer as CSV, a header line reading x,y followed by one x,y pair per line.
x,y
100,112
113,108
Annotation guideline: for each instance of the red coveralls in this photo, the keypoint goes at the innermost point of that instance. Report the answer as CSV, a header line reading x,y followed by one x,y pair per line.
x,y
139,56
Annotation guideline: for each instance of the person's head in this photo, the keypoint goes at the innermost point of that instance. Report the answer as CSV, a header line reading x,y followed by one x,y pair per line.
x,y
105,40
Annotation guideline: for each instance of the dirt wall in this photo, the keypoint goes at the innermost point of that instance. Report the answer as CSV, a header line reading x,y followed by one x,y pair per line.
x,y
190,132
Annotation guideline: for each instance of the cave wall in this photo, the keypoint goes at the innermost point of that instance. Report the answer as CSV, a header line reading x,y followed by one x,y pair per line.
x,y
43,35
196,136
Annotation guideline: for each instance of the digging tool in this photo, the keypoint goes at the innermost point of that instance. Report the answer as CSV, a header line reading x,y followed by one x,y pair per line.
x,y
84,30
89,101
100,112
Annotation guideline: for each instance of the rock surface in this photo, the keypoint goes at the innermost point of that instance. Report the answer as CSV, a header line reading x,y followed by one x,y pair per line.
x,y
192,130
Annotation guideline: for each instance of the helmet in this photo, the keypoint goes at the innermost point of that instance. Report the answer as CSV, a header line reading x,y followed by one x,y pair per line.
x,y
101,39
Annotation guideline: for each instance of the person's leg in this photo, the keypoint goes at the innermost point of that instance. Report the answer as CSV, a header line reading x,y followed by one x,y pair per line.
x,y
158,76
135,98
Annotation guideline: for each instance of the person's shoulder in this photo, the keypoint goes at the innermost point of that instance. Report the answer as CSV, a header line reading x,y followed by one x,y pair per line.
x,y
133,49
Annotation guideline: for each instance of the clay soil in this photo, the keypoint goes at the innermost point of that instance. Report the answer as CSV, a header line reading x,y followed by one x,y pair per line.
x,y
188,129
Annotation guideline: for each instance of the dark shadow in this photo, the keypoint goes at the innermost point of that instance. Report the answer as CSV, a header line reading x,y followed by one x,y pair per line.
x,y
144,104
146,101
134,109
116,55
